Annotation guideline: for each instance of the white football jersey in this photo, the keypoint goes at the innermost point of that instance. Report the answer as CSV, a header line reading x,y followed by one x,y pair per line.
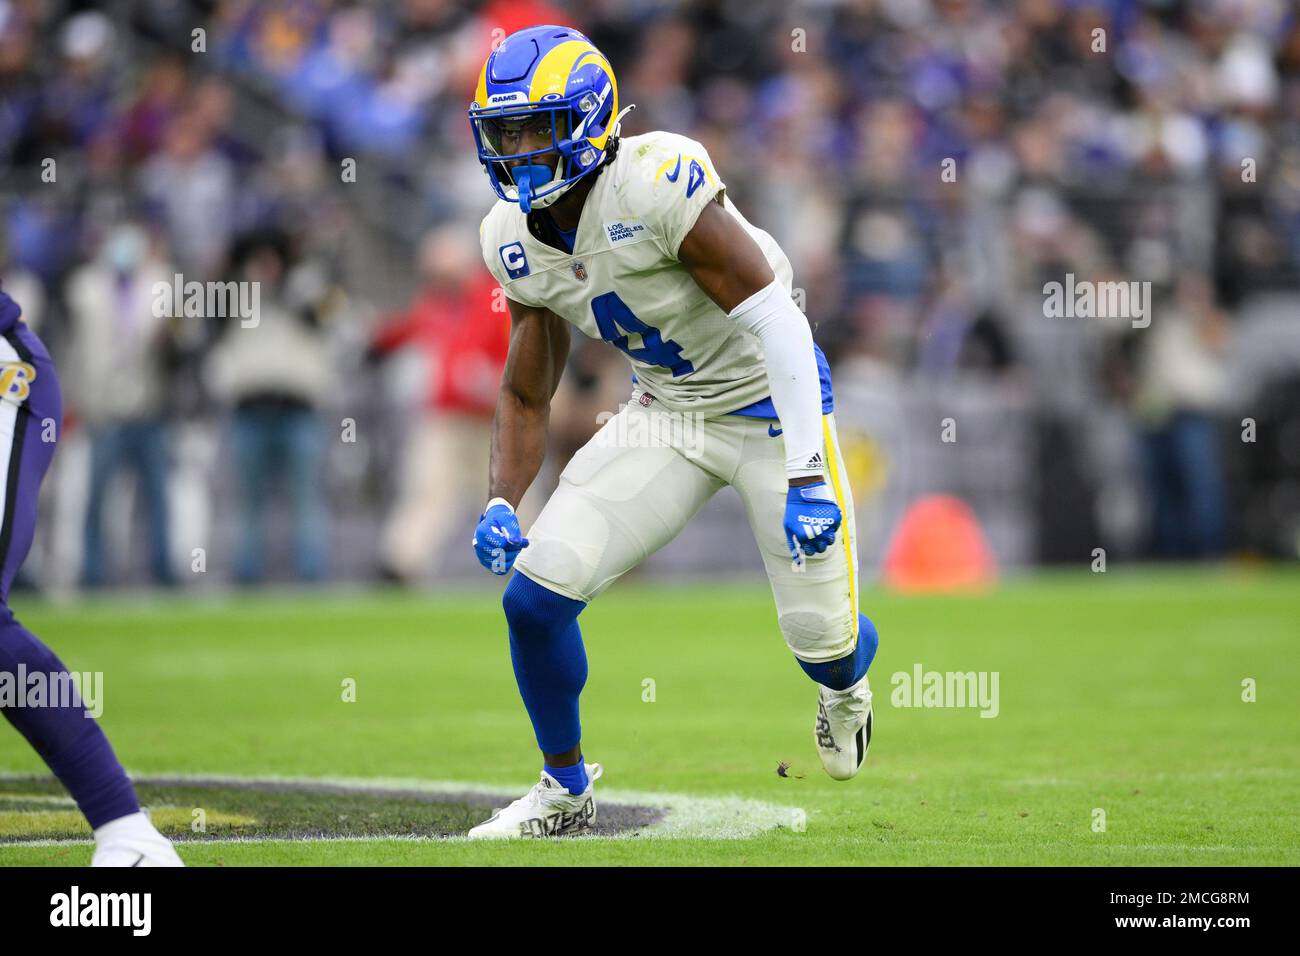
x,y
623,282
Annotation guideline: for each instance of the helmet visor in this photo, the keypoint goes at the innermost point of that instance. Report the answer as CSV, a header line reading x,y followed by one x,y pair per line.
x,y
524,134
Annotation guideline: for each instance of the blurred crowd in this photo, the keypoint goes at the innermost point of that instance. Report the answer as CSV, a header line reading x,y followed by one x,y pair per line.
x,y
927,164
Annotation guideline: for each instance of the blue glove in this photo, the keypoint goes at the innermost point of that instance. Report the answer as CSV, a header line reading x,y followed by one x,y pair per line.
x,y
811,519
497,539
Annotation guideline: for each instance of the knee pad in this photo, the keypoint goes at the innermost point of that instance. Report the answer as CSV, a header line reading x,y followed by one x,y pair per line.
x,y
532,609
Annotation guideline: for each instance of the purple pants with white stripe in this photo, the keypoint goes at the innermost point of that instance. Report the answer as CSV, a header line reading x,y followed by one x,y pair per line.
x,y
67,738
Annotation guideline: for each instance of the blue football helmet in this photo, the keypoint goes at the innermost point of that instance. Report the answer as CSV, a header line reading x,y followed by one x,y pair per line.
x,y
545,76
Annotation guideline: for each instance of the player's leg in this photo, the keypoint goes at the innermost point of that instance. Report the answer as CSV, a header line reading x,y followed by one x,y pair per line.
x,y
105,455
152,460
67,738
619,500
432,503
255,452
307,444
426,510
816,600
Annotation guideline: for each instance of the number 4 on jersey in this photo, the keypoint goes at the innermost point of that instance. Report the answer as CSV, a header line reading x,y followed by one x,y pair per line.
x,y
616,322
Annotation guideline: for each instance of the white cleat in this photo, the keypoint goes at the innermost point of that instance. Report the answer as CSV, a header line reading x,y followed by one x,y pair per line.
x,y
133,841
547,810
843,729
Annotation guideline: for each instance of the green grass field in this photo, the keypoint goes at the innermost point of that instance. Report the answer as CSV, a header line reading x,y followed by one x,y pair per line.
x,y
1120,692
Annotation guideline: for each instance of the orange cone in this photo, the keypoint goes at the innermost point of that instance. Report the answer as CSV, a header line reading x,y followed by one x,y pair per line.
x,y
939,546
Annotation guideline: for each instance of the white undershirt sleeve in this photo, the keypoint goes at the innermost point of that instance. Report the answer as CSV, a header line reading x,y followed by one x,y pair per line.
x,y
792,376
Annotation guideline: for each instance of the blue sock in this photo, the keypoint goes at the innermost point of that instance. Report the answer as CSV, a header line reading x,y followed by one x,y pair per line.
x,y
549,660
574,778
843,672
72,744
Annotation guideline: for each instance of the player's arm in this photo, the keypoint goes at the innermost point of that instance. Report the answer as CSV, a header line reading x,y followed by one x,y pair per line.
x,y
728,265
726,262
539,345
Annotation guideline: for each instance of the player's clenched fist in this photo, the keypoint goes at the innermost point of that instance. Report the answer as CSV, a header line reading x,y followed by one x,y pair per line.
x,y
811,519
498,540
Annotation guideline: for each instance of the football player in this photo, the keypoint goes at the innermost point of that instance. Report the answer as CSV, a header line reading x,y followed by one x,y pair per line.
x,y
634,240
62,731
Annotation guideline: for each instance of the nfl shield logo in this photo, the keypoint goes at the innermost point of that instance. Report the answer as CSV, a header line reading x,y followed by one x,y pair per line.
x,y
579,271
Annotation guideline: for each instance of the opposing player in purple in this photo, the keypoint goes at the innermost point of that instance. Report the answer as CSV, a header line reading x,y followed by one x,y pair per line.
x,y
65,735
